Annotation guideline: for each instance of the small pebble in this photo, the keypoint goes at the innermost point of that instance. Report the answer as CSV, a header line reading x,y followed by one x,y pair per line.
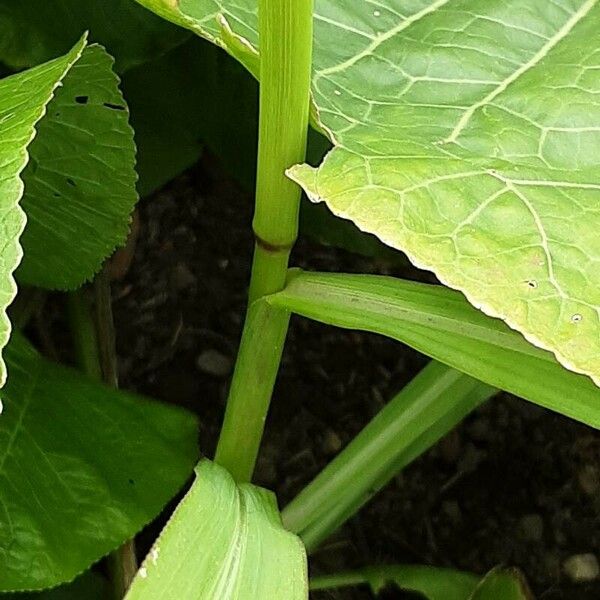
x,y
452,509
471,459
588,478
182,277
214,363
331,443
531,527
582,568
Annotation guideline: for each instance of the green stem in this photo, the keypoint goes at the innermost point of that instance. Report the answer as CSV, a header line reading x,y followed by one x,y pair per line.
x,y
94,342
436,400
343,579
251,388
83,332
285,66
105,329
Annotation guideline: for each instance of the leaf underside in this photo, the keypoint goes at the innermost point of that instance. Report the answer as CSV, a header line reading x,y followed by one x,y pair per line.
x,y
82,468
34,31
466,134
223,542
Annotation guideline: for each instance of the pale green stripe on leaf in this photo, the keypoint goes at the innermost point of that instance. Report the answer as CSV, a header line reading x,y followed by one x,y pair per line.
x,y
440,323
223,542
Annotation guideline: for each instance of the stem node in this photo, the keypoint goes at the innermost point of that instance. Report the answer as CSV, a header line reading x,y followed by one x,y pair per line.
x,y
285,29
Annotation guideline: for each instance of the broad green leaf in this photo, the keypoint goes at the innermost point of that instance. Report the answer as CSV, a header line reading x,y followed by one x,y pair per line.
x,y
440,323
23,100
433,583
83,468
466,134
80,179
88,586
224,541
33,31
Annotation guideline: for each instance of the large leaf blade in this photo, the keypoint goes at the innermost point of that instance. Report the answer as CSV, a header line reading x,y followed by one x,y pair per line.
x,y
223,542
481,163
466,134
83,468
440,323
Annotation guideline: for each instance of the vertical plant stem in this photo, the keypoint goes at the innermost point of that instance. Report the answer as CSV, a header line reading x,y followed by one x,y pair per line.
x,y
105,329
83,332
123,561
251,388
285,29
94,342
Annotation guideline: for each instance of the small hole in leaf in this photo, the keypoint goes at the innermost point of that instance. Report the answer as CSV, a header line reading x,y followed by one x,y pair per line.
x,y
114,106
71,182
131,481
577,318
81,99
532,283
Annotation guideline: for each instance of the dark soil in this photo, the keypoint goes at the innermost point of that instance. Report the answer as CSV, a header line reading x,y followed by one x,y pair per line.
x,y
514,484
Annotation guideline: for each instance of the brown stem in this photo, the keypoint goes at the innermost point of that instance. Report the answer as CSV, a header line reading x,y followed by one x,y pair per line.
x,y
123,561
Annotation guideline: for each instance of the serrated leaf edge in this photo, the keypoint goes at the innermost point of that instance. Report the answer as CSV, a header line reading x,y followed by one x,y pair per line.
x,y
297,174
76,52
